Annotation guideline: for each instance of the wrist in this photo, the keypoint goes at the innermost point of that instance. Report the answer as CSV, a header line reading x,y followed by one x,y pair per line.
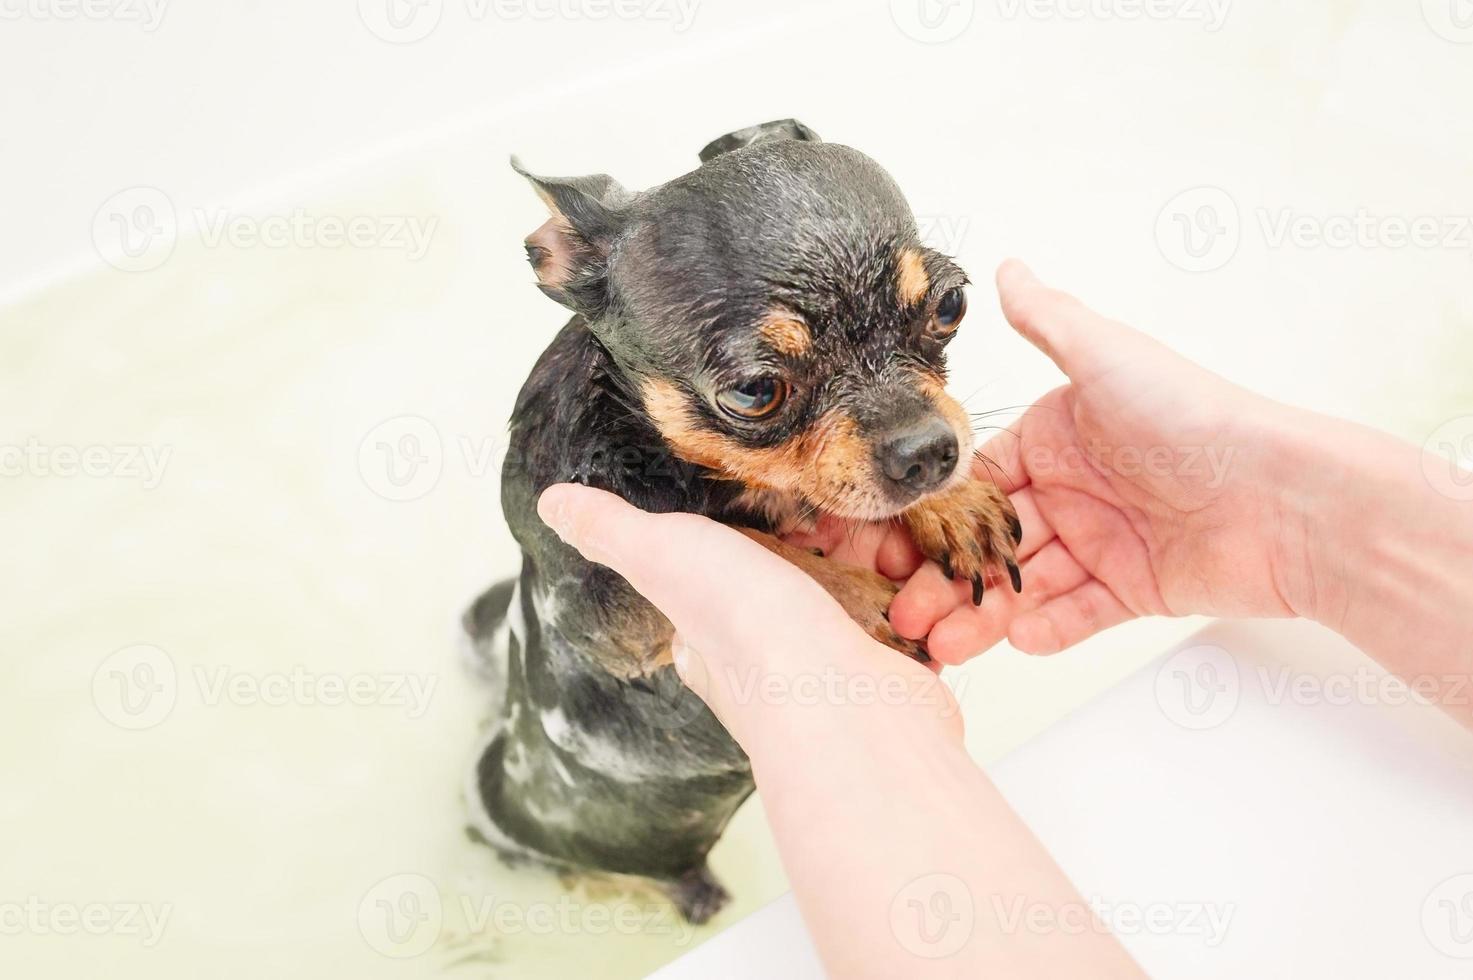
x,y
1364,545
1308,480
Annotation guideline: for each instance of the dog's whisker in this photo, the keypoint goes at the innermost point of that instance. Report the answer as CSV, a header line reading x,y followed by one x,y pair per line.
x,y
994,469
1001,430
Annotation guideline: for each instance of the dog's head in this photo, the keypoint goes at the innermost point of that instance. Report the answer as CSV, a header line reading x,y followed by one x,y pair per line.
x,y
777,315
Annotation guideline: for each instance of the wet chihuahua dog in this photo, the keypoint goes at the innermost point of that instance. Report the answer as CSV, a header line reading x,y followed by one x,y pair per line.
x,y
760,341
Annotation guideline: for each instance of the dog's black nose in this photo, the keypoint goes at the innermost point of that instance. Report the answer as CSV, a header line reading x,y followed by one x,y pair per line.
x,y
920,458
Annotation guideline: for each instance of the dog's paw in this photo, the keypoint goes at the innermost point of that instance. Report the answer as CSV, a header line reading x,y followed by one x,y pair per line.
x,y
697,895
967,530
866,597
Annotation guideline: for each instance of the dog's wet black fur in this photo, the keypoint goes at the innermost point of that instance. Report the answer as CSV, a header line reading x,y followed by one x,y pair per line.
x,y
759,341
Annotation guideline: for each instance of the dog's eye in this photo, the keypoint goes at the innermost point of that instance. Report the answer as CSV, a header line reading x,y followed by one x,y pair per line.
x,y
756,399
950,310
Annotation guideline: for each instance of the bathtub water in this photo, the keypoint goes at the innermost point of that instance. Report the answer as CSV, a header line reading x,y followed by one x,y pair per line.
x,y
244,692
260,483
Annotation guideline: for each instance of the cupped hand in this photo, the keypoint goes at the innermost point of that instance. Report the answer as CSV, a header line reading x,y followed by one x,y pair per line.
x,y
869,763
1144,485
761,642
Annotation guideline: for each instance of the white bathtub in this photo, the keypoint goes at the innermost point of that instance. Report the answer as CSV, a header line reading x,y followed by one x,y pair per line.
x,y
254,411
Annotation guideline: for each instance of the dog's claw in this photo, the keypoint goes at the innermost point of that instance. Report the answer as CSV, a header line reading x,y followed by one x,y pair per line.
x,y
1016,576
967,531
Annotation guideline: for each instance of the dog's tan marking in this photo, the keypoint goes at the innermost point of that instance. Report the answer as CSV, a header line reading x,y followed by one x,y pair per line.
x,y
864,595
969,528
786,333
773,467
829,465
912,282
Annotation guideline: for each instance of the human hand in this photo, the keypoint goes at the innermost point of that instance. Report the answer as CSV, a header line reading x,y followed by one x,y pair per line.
x,y
756,638
873,765
1147,485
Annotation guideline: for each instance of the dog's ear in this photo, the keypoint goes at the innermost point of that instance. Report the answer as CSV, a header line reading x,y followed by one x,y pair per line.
x,y
570,251
781,129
